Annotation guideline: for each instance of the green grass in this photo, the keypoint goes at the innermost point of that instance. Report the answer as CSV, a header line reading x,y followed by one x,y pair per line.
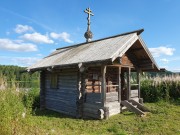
x,y
163,119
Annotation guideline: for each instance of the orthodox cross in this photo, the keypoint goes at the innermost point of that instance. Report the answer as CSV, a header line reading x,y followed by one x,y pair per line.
x,y
89,12
88,34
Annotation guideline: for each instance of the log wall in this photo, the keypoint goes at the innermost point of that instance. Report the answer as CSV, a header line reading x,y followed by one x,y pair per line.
x,y
112,79
92,106
62,99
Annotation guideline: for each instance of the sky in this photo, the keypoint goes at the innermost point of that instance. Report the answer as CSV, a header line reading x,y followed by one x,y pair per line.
x,y
32,29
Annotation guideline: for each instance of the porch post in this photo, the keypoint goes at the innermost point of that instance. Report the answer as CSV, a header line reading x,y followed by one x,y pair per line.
x,y
129,83
103,85
139,83
119,84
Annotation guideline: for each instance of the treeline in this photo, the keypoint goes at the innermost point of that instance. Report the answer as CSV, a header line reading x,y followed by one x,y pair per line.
x,y
14,76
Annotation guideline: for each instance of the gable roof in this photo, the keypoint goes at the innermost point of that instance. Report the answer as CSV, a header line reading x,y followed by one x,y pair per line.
x,y
106,49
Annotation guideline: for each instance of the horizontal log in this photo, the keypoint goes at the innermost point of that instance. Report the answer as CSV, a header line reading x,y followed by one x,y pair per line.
x,y
92,106
63,90
112,85
61,111
61,98
134,93
63,108
60,104
115,104
68,70
67,82
90,110
60,101
90,115
114,111
62,94
111,94
111,99
93,85
92,91
134,84
67,87
68,77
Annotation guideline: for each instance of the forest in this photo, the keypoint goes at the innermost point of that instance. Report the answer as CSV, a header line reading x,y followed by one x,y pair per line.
x,y
17,77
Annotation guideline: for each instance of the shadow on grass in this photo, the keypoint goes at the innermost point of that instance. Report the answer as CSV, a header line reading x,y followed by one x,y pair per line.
x,y
127,113
50,113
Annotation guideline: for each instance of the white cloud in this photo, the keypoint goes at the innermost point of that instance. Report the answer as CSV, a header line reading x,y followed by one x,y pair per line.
x,y
20,61
39,54
22,28
156,52
165,61
37,38
24,61
61,36
16,45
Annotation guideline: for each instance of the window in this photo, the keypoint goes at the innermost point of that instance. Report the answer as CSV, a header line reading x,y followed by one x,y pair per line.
x,y
54,81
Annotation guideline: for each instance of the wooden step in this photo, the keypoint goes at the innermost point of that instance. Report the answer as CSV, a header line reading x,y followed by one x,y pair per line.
x,y
139,106
132,108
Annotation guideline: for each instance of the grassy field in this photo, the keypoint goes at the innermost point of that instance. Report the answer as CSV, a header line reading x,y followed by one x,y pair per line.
x,y
163,119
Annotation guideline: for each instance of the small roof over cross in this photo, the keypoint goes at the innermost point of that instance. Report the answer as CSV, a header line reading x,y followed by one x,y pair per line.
x,y
88,34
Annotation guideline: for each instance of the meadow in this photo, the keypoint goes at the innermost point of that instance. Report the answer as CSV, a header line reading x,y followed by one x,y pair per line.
x,y
20,113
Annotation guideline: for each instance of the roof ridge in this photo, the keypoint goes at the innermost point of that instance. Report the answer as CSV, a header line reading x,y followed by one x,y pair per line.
x,y
122,34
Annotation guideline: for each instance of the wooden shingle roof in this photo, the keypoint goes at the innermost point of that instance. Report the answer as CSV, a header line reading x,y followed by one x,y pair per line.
x,y
106,49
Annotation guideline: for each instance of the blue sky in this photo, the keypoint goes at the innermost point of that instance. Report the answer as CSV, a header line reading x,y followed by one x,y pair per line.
x,y
32,29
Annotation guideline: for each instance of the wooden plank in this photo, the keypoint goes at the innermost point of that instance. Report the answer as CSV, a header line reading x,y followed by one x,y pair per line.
x,y
60,101
134,93
112,94
91,115
140,106
92,100
132,108
112,85
134,84
112,105
114,111
63,112
68,70
90,110
93,111
64,98
128,83
119,83
112,99
103,85
92,106
139,83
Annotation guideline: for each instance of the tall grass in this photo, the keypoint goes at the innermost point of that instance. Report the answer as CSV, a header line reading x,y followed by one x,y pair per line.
x,y
15,105
3,82
160,88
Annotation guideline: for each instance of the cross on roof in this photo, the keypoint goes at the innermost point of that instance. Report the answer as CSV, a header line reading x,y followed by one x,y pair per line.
x,y
88,11
88,34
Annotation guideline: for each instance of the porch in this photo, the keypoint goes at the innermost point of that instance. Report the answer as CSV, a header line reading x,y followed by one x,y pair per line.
x,y
105,88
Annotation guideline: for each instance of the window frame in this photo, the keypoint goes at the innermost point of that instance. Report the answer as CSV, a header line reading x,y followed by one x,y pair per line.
x,y
54,81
